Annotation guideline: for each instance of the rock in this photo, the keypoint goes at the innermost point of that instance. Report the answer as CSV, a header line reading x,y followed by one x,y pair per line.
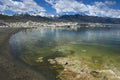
x,y
74,69
67,75
96,74
52,61
66,63
105,78
108,72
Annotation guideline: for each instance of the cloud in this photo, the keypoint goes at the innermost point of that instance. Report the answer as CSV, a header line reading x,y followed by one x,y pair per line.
x,y
67,5
95,9
61,6
23,6
103,9
110,2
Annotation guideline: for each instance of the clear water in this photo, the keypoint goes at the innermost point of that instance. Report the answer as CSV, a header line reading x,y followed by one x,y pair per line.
x,y
98,47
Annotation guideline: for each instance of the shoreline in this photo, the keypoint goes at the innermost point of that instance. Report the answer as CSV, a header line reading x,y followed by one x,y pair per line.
x,y
10,69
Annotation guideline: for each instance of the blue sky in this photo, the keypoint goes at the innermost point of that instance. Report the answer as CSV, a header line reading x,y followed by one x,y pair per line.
x,y
104,8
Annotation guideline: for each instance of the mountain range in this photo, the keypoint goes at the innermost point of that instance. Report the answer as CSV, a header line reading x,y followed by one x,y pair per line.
x,y
73,18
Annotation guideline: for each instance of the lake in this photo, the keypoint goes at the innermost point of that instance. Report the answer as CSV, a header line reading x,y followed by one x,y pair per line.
x,y
96,48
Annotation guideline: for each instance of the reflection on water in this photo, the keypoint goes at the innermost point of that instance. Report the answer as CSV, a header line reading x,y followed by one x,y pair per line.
x,y
32,36
99,47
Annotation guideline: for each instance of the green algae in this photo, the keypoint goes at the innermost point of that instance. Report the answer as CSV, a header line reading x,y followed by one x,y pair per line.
x,y
98,57
38,49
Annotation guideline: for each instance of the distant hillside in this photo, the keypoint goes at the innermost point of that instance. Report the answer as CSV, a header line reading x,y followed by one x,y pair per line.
x,y
23,18
86,18
74,18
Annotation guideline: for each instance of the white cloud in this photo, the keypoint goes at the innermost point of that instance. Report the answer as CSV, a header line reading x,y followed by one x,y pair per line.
x,y
96,9
30,6
24,6
110,2
67,5
103,9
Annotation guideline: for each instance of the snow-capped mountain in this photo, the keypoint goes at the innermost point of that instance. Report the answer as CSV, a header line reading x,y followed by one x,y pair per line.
x,y
22,14
42,14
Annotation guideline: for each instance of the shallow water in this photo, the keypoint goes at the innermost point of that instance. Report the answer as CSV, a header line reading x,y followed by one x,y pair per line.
x,y
98,48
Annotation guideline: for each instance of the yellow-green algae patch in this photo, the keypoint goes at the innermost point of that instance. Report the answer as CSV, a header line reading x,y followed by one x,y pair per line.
x,y
79,61
82,63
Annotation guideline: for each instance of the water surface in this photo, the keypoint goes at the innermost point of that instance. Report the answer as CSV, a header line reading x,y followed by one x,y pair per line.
x,y
100,48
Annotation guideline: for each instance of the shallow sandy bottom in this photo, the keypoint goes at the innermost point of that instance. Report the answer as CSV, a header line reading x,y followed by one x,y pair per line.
x,y
10,69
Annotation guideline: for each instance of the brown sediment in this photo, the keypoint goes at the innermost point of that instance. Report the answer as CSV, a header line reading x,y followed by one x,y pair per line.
x,y
10,69
76,70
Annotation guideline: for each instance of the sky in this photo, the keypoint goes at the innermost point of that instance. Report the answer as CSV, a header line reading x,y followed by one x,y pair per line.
x,y
102,8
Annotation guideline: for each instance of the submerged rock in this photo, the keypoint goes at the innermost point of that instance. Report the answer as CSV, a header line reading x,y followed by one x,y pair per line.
x,y
96,74
75,69
52,61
